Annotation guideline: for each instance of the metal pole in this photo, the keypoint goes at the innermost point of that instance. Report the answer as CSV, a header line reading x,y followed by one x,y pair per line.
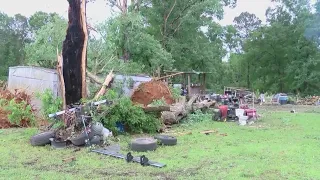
x,y
253,100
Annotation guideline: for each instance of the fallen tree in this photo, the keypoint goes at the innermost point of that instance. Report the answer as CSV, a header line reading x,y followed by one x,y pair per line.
x,y
180,110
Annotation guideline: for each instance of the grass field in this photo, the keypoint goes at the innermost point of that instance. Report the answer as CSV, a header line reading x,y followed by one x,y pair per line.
x,y
280,146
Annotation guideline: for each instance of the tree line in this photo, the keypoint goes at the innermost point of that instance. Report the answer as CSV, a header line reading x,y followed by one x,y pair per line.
x,y
281,55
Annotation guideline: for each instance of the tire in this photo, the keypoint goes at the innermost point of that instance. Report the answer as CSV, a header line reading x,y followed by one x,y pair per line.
x,y
96,140
166,140
80,139
97,128
143,144
42,139
58,145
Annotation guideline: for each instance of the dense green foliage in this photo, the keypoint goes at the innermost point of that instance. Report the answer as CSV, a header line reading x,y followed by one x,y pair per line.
x,y
150,35
20,112
50,104
123,111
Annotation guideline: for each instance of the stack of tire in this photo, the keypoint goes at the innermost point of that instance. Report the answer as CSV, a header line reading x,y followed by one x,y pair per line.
x,y
95,136
151,144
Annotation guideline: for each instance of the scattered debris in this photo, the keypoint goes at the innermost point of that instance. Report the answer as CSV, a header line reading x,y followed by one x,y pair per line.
x,y
18,97
105,84
313,100
78,129
68,160
209,132
143,160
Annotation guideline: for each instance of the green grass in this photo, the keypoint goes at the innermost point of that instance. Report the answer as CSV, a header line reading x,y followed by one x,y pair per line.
x,y
280,146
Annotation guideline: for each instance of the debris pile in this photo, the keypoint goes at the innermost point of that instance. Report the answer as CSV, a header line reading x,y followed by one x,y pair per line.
x,y
75,127
309,100
18,96
147,92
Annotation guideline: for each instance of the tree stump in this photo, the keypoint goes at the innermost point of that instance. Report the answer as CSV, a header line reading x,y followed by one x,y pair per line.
x,y
74,53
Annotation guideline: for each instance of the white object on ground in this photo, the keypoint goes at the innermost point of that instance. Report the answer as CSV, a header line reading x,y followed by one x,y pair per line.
x,y
243,120
106,133
239,112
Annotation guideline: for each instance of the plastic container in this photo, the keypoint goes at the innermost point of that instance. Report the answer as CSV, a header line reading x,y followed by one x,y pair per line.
x,y
243,120
239,112
250,112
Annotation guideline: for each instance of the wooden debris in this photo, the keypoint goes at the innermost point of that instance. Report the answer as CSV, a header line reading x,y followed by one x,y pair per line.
x,y
106,83
308,100
203,105
179,133
208,132
156,108
94,78
68,160
84,49
60,74
167,76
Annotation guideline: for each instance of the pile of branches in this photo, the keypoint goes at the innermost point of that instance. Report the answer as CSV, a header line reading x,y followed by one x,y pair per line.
x,y
308,100
173,114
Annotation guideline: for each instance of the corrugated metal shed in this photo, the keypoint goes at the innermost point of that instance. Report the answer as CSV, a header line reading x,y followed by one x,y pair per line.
x,y
136,81
33,79
37,79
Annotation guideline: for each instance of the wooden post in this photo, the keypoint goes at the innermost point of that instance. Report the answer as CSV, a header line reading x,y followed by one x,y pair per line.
x,y
204,82
189,85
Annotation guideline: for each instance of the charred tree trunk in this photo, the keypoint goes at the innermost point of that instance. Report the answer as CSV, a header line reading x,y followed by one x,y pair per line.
x,y
74,53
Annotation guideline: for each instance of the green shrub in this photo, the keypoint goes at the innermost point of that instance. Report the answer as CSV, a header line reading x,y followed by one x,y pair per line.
x,y
133,117
18,111
176,93
198,116
159,102
49,103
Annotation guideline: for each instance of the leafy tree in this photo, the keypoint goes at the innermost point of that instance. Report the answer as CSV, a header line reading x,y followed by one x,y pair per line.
x,y
142,47
40,19
280,63
14,36
49,38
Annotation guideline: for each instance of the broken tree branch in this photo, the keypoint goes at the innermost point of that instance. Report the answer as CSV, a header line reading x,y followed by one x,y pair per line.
x,y
84,50
163,77
105,85
60,74
94,78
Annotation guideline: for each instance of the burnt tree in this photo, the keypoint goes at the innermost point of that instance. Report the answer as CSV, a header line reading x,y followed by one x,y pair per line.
x,y
74,53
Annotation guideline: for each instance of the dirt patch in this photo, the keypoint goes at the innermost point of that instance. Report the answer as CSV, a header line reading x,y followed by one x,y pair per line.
x,y
149,91
18,96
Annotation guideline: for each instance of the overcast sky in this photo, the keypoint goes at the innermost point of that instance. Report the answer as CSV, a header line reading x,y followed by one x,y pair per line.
x,y
99,11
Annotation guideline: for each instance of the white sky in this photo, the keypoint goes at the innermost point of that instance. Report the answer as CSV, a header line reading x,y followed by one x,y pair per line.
x,y
99,11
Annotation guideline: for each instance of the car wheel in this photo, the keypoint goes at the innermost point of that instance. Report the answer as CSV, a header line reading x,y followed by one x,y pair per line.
x,y
80,139
97,128
143,144
42,139
166,140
